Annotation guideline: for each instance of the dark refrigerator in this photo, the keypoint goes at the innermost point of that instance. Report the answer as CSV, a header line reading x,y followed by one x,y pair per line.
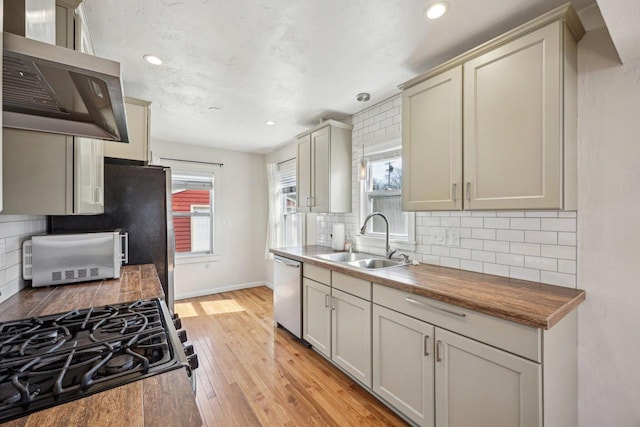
x,y
137,199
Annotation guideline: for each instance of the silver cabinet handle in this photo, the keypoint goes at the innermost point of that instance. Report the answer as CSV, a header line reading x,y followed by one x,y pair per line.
x,y
308,201
454,191
468,191
313,201
333,303
326,300
412,301
438,355
426,345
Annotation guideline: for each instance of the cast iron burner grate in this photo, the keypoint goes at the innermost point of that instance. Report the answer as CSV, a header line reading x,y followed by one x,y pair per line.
x,y
45,361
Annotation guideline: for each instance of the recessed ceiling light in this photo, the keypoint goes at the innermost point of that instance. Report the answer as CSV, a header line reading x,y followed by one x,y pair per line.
x,y
270,123
436,10
152,59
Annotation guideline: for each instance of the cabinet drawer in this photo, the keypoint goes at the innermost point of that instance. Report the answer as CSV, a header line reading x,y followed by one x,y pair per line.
x,y
512,337
351,285
318,274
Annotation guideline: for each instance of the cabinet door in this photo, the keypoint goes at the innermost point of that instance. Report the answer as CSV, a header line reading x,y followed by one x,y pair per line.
x,y
303,174
320,169
512,124
432,143
316,315
88,176
37,173
351,335
138,128
479,385
403,364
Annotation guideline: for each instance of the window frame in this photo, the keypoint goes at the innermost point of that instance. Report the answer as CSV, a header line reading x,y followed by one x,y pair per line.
x,y
375,151
287,175
201,255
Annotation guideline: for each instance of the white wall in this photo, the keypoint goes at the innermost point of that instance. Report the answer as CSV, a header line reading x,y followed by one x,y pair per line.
x,y
609,233
239,226
14,229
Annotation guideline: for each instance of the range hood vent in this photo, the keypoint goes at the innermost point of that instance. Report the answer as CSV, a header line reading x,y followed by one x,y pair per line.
x,y
49,88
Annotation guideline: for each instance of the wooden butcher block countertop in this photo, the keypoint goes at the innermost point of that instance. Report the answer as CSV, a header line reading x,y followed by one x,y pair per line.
x,y
520,301
164,399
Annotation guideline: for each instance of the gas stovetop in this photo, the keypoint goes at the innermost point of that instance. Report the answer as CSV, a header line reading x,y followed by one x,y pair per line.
x,y
45,361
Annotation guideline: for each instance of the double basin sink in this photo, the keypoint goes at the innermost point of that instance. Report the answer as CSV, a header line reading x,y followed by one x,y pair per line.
x,y
362,260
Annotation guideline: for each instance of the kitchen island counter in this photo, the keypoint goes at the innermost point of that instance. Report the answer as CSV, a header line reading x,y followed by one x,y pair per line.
x,y
164,399
528,303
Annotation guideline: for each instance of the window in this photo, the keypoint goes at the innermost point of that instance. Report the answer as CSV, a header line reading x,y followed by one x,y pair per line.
x,y
192,205
382,192
292,228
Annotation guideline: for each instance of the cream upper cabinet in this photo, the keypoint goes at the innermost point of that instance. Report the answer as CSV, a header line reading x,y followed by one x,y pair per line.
x,y
138,122
432,143
479,385
49,174
518,132
513,124
324,169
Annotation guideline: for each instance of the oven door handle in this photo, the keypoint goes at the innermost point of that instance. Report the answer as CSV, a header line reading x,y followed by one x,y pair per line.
x,y
124,257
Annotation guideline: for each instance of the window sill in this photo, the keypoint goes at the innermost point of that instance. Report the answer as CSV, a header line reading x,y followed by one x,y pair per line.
x,y
379,242
196,258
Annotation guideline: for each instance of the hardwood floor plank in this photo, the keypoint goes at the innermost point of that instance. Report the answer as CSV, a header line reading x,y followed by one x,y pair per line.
x,y
253,374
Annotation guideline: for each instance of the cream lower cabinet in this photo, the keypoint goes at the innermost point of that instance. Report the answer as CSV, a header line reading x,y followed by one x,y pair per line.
x,y
351,335
478,385
403,373
338,323
316,318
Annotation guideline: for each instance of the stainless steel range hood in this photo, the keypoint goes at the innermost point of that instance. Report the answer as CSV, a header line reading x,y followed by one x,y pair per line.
x,y
53,89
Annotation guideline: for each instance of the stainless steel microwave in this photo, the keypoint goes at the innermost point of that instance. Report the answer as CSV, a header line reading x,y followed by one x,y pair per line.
x,y
53,259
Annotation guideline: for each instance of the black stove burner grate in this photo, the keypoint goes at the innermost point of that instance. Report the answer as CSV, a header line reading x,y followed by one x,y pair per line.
x,y
54,359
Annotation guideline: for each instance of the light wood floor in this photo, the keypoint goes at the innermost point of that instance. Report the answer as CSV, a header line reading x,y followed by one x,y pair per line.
x,y
253,374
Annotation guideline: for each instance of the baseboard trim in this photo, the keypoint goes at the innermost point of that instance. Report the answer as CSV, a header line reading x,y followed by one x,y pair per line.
x,y
268,285
211,291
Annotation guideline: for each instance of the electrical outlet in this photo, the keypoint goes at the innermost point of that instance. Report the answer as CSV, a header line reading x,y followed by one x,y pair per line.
x,y
438,236
453,237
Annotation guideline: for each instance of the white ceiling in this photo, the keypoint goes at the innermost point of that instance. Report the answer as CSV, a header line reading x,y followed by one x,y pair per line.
x,y
229,66
623,22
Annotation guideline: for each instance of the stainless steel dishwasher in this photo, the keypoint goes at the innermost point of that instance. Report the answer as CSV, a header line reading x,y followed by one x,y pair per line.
x,y
287,294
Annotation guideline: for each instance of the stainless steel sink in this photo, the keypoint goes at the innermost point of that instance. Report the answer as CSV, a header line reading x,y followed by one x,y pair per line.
x,y
376,263
344,256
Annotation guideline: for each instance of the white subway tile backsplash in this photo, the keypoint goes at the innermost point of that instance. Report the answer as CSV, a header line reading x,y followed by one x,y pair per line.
x,y
525,223
510,235
483,256
524,274
529,245
560,279
496,246
561,252
460,253
496,269
548,237
472,222
525,248
471,244
510,259
496,222
540,263
566,266
483,233
449,262
465,264
558,224
567,239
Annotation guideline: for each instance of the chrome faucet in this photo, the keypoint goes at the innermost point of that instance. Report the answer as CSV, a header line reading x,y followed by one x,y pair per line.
x,y
389,251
